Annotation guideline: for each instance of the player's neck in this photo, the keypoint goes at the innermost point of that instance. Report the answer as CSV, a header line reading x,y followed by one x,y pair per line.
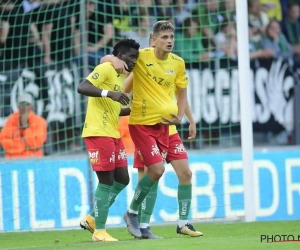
x,y
161,55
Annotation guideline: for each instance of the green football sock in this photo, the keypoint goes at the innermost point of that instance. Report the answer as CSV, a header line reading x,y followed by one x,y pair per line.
x,y
96,194
143,188
184,197
114,192
140,212
101,205
148,204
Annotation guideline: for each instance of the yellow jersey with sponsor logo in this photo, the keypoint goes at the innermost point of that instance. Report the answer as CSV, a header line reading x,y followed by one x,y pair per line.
x,y
102,115
154,84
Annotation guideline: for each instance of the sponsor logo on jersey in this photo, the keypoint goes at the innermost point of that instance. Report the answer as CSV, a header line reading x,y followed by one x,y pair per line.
x,y
94,156
95,76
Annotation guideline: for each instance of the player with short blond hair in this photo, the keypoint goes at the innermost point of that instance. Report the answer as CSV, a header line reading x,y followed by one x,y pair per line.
x,y
158,74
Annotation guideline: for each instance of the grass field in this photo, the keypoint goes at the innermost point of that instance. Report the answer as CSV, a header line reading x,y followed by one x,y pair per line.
x,y
235,236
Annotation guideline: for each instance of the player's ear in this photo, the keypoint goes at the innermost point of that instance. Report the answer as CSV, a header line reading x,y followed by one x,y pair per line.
x,y
120,55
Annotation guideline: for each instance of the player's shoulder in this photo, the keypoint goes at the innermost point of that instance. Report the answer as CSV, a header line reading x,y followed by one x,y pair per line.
x,y
145,51
176,58
106,66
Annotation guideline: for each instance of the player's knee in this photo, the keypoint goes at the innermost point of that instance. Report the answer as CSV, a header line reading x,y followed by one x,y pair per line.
x,y
125,181
121,175
156,171
160,171
105,177
185,176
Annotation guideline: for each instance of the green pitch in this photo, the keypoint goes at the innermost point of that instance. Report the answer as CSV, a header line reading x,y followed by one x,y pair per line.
x,y
236,236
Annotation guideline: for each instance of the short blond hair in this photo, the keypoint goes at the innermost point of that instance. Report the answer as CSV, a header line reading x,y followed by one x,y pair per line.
x,y
162,26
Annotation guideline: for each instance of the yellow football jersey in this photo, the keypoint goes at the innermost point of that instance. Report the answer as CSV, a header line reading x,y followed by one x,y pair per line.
x,y
102,115
154,84
172,130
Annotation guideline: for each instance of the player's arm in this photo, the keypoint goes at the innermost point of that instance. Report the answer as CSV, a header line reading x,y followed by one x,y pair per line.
x,y
181,82
181,103
128,84
119,65
181,89
192,127
88,89
189,115
125,111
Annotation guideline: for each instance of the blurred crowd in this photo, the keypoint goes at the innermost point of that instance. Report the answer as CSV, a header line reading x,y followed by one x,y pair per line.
x,y
53,32
50,31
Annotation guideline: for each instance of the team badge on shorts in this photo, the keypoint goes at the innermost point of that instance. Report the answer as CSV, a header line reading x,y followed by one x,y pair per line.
x,y
94,156
164,155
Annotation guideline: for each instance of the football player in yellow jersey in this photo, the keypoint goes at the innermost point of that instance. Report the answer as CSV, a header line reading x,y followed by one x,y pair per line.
x,y
101,136
157,75
178,158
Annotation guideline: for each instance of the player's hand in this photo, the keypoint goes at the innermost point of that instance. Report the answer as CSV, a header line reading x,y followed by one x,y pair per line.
x,y
119,65
192,131
120,97
174,121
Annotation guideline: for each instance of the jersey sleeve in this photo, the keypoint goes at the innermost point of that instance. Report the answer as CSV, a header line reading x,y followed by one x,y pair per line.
x,y
181,80
99,75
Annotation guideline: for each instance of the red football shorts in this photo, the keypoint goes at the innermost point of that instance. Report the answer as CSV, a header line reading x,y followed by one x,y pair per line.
x,y
151,142
176,151
106,153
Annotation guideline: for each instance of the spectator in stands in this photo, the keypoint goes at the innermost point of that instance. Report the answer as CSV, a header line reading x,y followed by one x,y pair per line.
x,y
122,17
210,20
100,33
145,8
228,10
188,43
24,133
57,29
164,10
272,8
181,11
276,41
141,30
257,18
256,52
226,40
291,27
15,47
